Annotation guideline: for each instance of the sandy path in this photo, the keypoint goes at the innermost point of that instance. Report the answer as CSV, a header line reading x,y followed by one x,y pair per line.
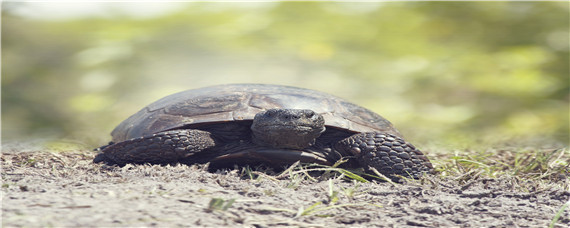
x,y
41,188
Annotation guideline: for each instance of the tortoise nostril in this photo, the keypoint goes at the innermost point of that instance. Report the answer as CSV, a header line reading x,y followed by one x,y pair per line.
x,y
291,116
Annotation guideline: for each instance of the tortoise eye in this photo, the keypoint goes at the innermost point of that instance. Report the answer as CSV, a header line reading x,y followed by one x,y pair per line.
x,y
270,112
309,113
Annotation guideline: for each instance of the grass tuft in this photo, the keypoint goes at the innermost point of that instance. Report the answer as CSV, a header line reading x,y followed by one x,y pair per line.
x,y
220,204
528,164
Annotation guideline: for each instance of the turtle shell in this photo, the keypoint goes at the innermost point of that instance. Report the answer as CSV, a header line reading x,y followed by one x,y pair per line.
x,y
240,102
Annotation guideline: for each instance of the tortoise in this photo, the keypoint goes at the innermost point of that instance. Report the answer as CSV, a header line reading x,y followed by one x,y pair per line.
x,y
261,123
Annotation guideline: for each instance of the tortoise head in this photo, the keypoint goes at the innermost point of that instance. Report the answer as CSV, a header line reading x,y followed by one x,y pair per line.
x,y
287,128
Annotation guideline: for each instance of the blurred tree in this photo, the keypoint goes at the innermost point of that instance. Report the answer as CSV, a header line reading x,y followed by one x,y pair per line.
x,y
447,72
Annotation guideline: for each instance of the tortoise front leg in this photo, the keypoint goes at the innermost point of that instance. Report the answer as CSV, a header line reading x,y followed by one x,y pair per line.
x,y
387,153
160,148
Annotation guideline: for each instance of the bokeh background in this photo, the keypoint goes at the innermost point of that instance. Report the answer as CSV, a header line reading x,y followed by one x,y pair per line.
x,y
449,74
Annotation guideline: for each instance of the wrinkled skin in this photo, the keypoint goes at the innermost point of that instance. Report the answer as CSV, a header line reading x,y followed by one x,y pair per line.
x,y
276,136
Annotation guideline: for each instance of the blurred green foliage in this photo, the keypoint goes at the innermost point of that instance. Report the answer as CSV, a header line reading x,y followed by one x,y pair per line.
x,y
446,73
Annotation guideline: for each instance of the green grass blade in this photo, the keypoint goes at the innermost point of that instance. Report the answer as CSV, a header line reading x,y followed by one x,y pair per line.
x,y
558,214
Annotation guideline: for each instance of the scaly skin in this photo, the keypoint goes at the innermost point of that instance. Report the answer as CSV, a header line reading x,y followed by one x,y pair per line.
x,y
161,148
387,153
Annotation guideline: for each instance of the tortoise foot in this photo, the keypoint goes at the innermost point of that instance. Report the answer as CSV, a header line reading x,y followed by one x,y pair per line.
x,y
161,148
387,153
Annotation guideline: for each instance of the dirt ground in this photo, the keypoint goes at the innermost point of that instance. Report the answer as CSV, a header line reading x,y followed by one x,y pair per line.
x,y
42,188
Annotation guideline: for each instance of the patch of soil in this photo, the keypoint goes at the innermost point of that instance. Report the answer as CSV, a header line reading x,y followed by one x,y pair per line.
x,y
42,189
